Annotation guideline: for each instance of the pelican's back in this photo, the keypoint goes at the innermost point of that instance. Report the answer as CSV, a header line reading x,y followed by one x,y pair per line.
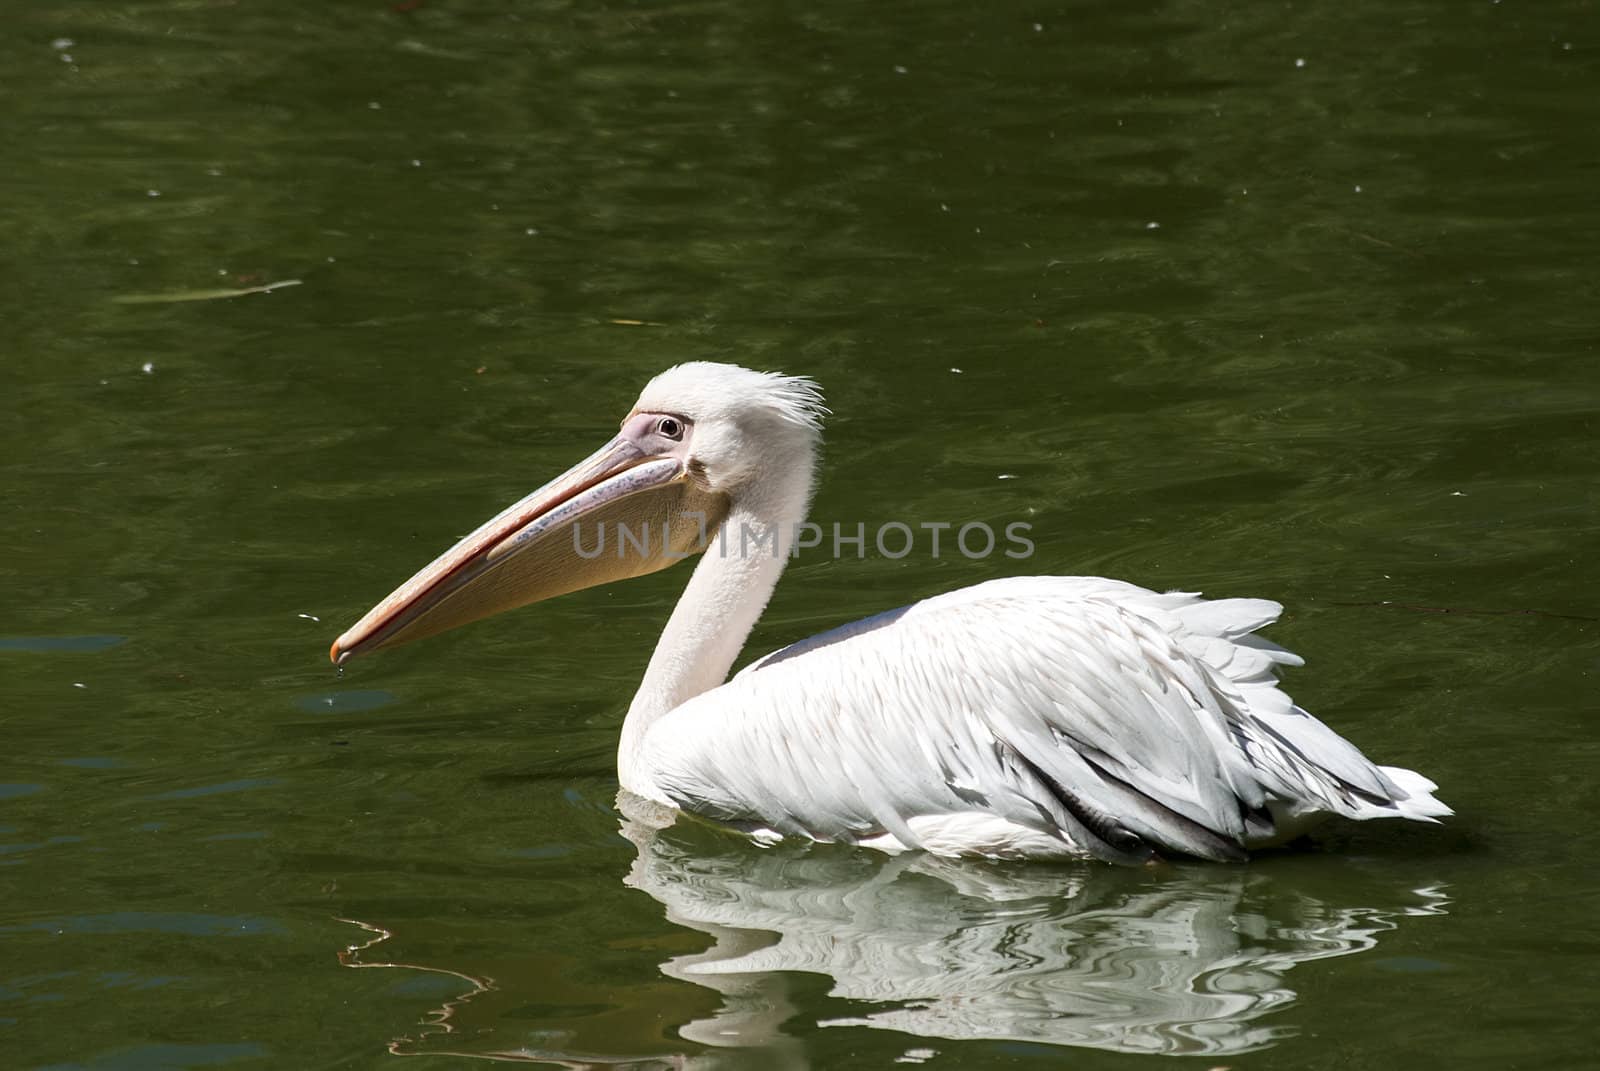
x,y
1033,716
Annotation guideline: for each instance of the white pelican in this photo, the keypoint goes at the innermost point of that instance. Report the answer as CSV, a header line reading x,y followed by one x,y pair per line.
x,y
1029,717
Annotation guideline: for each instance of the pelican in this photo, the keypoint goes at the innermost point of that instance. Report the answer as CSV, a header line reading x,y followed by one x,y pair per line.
x,y
1026,717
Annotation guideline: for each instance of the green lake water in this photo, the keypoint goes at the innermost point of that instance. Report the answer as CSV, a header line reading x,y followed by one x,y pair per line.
x,y
1286,300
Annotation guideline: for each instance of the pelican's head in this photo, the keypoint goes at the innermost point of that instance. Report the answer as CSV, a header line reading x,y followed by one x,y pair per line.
x,y
700,438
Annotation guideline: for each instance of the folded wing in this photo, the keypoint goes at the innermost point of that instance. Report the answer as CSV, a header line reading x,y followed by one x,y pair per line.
x,y
1027,716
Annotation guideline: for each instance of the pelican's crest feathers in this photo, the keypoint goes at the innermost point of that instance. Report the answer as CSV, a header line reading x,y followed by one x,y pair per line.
x,y
704,391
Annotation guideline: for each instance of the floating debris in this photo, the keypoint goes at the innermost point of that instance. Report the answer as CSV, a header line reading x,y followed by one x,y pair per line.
x,y
201,295
423,49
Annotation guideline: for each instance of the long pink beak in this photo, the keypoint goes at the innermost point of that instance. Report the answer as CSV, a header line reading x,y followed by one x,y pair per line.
x,y
474,579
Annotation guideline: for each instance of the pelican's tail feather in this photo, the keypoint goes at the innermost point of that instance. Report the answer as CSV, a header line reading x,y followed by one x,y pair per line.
x,y
1308,769
1418,802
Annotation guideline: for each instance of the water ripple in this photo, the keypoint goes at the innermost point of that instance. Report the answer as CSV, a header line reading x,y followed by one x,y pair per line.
x,y
190,924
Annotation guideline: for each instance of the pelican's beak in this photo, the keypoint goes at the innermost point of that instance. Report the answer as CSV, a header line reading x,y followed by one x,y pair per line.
x,y
567,535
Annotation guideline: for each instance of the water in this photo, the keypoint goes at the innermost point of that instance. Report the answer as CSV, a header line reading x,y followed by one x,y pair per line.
x,y
1351,367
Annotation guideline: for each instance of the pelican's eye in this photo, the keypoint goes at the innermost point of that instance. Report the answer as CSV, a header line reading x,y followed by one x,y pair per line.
x,y
671,427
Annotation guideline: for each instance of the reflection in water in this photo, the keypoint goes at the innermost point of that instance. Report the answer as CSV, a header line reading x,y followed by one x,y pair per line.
x,y
1171,960
1178,962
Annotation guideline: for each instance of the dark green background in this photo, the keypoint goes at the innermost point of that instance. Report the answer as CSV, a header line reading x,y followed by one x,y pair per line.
x,y
1284,299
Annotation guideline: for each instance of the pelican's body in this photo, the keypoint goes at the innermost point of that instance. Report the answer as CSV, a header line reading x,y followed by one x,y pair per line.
x,y
1031,717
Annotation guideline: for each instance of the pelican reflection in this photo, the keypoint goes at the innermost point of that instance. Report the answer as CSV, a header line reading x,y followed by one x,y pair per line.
x,y
1170,961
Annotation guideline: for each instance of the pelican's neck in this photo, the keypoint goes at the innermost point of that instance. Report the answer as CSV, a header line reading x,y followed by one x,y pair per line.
x,y
721,604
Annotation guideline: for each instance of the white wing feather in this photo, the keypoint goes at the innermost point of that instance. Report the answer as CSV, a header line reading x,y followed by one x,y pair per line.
x,y
1027,716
